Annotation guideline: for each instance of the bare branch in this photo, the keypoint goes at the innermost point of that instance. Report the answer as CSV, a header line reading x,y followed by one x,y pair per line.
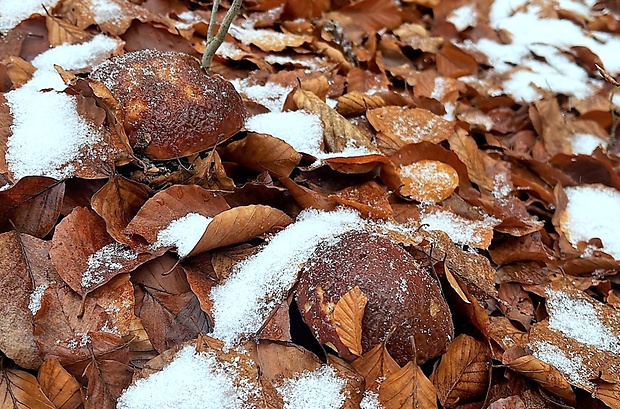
x,y
215,40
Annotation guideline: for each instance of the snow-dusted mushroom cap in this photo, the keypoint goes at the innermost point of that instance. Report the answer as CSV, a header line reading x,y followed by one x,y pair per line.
x,y
172,107
402,296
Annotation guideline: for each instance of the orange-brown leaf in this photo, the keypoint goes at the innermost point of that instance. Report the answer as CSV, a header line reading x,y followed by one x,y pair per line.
x,y
463,373
425,392
428,181
61,32
357,103
375,364
608,393
239,225
347,317
397,391
19,389
58,384
454,62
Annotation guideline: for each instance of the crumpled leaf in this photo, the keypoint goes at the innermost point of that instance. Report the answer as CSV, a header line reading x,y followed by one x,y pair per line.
x,y
58,385
32,205
20,390
262,152
463,373
338,132
347,317
239,225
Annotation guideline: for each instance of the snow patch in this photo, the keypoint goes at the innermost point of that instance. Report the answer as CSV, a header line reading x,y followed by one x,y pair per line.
x,y
183,233
319,389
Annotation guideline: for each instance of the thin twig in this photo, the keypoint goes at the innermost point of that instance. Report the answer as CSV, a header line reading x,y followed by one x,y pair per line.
x,y
214,42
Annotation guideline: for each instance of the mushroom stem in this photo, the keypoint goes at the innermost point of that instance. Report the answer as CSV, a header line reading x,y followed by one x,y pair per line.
x,y
215,40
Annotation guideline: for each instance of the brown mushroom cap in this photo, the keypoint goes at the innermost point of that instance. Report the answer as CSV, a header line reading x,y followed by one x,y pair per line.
x,y
172,107
401,296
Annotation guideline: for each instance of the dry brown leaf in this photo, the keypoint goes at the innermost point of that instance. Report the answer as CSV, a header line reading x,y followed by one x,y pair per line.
x,y
555,131
540,372
608,393
239,225
106,381
455,285
20,276
398,126
32,205
428,181
374,365
347,317
308,198
58,384
425,391
338,132
85,255
370,199
20,390
467,150
277,361
397,391
171,204
19,71
357,103
454,62
261,152
210,173
268,40
361,18
117,203
61,32
463,373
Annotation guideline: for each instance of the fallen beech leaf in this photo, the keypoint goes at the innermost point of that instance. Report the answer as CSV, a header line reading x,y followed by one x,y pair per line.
x,y
19,389
357,103
338,132
555,132
210,173
239,225
58,385
106,381
20,72
398,126
356,164
428,181
455,285
307,198
397,391
425,391
172,204
540,372
32,205
347,317
608,393
262,152
277,361
467,150
24,265
117,203
63,32
354,382
370,199
454,62
361,18
278,326
374,365
85,255
463,373
169,310
268,40
141,349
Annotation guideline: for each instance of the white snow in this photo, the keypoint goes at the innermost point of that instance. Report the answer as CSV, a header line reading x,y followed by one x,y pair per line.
x,y
192,380
258,284
319,389
270,95
35,298
370,400
585,143
577,318
183,233
461,230
463,17
106,11
571,366
590,213
13,12
47,132
105,261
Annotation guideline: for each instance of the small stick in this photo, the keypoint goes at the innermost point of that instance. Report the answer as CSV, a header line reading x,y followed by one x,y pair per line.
x,y
215,40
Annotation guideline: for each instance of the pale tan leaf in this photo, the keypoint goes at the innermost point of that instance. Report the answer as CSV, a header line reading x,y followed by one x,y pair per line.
x,y
397,391
338,132
347,317
455,285
19,70
374,364
58,384
239,225
428,181
463,373
20,390
61,32
357,103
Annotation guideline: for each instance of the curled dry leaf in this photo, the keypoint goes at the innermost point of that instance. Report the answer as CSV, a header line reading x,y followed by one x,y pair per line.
x,y
425,391
239,225
398,126
85,255
58,385
356,164
172,204
32,205
19,389
463,374
117,203
278,361
307,198
18,281
347,317
467,150
540,372
262,152
357,103
169,310
338,132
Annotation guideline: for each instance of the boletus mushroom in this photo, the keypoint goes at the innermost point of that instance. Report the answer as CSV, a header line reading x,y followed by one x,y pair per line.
x,y
405,304
172,108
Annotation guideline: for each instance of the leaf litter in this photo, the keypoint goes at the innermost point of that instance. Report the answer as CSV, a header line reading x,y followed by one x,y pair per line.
x,y
480,137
